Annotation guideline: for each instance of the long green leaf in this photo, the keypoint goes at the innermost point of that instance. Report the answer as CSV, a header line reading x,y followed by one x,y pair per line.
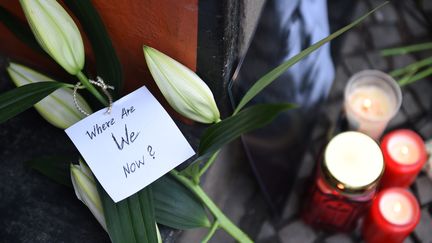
x,y
19,29
107,63
275,73
55,167
177,207
406,49
412,78
413,66
131,220
20,99
233,127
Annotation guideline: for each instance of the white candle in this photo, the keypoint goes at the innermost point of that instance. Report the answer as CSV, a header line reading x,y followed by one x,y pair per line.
x,y
404,151
396,208
372,98
354,159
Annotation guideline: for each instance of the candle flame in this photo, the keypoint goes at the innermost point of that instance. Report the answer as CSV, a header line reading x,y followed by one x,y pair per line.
x,y
367,104
404,150
397,207
340,186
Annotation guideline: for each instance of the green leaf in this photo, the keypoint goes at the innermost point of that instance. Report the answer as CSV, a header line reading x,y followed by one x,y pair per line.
x,y
411,78
20,99
107,63
406,49
279,70
177,207
413,66
54,167
131,220
19,29
231,128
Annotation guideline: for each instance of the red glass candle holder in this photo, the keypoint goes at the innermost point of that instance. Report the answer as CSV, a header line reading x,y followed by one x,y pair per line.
x,y
404,156
392,217
345,183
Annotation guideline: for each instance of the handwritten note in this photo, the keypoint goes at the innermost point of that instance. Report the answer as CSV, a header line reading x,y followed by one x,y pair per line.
x,y
131,147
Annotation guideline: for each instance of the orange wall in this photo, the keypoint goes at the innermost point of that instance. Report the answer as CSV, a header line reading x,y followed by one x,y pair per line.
x,y
167,25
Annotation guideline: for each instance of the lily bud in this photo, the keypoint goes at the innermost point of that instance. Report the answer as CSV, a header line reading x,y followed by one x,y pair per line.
x,y
181,87
56,32
86,191
58,108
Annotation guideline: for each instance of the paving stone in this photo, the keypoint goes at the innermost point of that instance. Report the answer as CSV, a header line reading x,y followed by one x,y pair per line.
x,y
352,43
409,106
402,61
414,27
424,189
385,36
426,131
356,64
306,167
339,83
423,230
386,15
408,240
420,88
292,206
339,238
296,232
377,61
397,120
267,231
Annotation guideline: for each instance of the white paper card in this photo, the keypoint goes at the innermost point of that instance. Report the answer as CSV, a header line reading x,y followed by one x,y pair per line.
x,y
131,147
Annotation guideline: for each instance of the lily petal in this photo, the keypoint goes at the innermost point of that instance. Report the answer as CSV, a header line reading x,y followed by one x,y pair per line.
x,y
56,32
58,108
182,88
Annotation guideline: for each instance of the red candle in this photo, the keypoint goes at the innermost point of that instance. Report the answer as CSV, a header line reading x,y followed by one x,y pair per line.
x,y
404,156
346,182
392,217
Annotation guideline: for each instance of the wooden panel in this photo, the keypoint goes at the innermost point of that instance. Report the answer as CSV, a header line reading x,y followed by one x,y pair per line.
x,y
169,26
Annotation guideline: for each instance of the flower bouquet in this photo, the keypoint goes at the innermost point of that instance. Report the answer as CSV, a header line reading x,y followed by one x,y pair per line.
x,y
176,199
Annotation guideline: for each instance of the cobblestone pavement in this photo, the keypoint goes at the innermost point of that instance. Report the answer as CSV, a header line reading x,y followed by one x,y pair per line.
x,y
237,193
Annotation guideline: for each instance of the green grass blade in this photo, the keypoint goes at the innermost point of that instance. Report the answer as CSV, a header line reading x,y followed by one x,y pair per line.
x,y
107,63
420,75
406,49
20,99
275,73
412,66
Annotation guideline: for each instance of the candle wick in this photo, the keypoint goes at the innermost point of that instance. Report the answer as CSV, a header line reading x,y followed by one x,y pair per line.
x,y
367,103
397,207
404,150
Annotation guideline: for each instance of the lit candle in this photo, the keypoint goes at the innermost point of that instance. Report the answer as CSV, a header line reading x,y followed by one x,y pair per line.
x,y
372,98
392,217
404,156
346,182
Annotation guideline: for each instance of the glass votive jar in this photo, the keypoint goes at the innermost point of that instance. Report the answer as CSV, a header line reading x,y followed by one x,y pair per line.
x,y
372,99
345,184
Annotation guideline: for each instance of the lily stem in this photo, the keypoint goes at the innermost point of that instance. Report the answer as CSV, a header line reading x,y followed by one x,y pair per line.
x,y
211,232
196,178
224,222
89,86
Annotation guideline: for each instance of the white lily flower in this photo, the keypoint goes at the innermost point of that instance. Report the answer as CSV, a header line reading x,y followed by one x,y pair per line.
x,y
57,108
56,32
182,88
86,191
